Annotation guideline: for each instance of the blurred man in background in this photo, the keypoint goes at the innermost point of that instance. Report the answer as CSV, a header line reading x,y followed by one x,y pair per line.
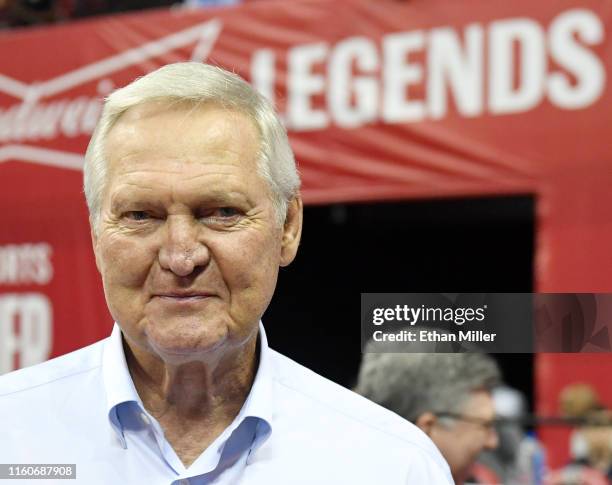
x,y
448,396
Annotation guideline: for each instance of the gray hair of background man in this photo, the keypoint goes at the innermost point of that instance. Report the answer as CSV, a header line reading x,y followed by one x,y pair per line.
x,y
197,84
411,384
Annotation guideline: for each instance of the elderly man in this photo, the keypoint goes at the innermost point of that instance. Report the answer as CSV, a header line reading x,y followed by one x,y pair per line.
x,y
194,203
448,396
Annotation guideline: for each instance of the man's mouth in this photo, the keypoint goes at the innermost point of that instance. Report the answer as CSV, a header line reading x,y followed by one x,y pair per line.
x,y
182,296
179,297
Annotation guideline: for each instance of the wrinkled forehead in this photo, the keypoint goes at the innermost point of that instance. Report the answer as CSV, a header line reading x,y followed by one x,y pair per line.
x,y
177,138
182,128
177,116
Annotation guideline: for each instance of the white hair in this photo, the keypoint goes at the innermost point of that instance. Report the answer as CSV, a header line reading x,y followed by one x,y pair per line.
x,y
411,384
197,83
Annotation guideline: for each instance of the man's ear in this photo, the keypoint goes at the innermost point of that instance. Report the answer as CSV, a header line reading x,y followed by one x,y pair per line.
x,y
94,243
292,231
426,422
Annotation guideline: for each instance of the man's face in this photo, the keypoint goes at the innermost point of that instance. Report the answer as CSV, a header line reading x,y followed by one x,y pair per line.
x,y
187,244
462,441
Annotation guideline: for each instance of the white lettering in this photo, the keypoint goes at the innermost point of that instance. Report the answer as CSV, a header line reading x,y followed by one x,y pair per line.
x,y
32,343
31,120
262,73
528,37
343,87
461,71
73,113
583,64
399,74
303,84
26,264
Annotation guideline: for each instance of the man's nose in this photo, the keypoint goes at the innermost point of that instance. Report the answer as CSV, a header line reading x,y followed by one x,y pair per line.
x,y
181,251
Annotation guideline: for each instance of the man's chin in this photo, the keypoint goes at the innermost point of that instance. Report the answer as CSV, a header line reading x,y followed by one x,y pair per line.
x,y
185,339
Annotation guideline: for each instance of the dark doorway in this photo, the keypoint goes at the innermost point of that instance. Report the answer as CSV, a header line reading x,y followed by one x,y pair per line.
x,y
449,245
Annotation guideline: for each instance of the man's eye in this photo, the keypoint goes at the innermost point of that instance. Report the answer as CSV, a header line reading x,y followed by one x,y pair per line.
x,y
221,215
137,215
225,212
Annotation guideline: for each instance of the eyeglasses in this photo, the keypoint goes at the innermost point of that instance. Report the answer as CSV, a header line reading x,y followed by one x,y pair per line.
x,y
488,424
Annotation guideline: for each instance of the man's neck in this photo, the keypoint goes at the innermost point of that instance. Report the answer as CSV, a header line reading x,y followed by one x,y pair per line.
x,y
194,401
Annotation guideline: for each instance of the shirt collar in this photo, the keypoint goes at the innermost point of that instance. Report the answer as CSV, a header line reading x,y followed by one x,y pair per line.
x,y
118,383
120,388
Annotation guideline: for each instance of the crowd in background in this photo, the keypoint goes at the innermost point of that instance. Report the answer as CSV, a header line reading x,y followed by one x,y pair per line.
x,y
481,426
484,428
23,13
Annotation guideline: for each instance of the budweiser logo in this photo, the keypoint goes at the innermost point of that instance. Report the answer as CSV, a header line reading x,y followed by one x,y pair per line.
x,y
34,119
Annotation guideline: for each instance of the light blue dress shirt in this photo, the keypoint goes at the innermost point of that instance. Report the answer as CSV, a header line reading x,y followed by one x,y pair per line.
x,y
295,427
